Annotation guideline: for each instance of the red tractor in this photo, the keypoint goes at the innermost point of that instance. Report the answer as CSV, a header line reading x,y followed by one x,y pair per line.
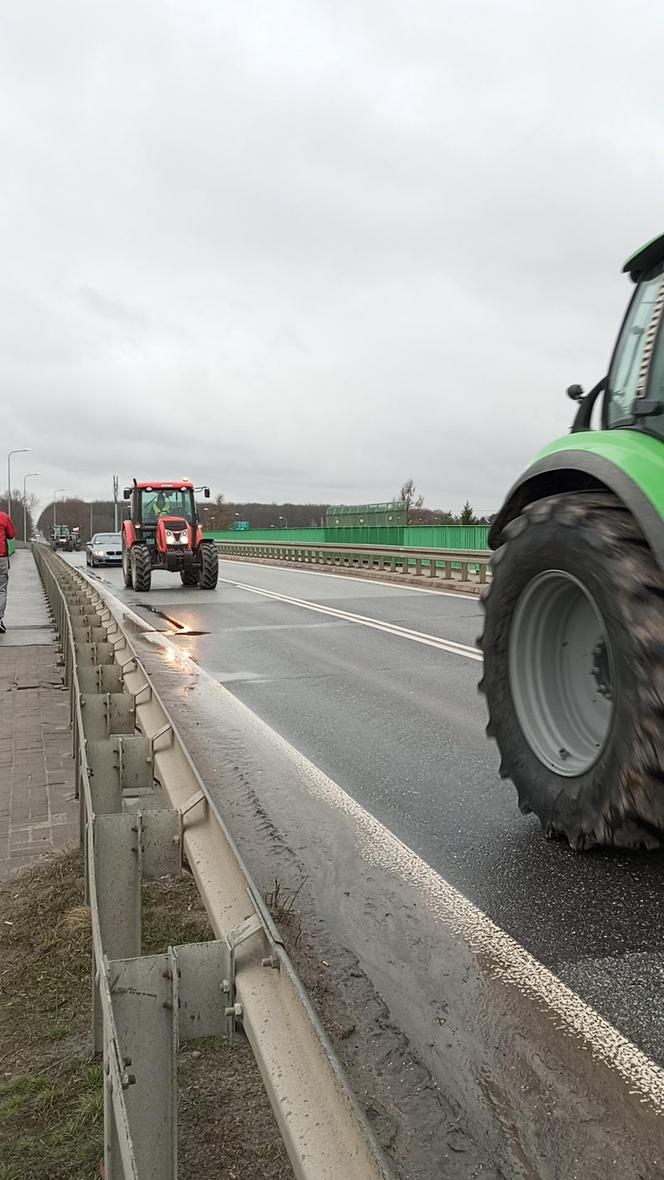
x,y
162,532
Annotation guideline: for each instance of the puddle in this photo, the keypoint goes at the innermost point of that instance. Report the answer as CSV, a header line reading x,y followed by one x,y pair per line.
x,y
175,628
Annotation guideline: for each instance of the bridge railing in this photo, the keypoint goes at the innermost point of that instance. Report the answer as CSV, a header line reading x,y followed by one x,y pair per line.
x,y
445,565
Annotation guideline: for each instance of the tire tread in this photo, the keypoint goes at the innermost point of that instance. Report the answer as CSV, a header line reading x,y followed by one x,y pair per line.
x,y
631,814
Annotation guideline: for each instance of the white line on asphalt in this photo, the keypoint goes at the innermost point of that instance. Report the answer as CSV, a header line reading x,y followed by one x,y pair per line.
x,y
298,569
458,649
509,961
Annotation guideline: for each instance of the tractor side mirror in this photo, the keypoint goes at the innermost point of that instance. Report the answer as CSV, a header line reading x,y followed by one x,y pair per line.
x,y
575,392
206,493
126,493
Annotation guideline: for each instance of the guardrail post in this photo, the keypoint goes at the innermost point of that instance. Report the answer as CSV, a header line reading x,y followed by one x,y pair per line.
x,y
118,875
142,1002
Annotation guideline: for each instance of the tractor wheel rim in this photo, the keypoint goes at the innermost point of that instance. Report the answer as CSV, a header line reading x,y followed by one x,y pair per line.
x,y
561,673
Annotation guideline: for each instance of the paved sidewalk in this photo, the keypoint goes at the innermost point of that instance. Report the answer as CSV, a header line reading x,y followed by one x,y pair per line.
x,y
38,813
27,616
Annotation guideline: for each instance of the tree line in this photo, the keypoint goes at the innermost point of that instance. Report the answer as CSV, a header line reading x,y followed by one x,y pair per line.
x,y
418,514
219,514
216,515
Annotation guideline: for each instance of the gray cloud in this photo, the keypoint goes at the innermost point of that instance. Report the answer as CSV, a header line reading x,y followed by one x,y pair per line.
x,y
307,249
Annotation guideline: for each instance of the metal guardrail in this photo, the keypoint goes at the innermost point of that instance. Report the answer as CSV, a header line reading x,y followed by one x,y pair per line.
x,y
143,809
450,565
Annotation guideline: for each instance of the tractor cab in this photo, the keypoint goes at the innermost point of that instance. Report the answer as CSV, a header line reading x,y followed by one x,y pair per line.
x,y
164,515
634,388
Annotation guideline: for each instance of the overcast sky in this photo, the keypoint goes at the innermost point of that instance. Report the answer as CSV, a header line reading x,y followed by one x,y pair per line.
x,y
304,250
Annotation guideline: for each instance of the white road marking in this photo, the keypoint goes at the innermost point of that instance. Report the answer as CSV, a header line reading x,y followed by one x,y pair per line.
x,y
294,568
458,649
508,960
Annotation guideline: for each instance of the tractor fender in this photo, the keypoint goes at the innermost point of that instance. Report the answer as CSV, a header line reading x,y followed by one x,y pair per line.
x,y
128,534
632,467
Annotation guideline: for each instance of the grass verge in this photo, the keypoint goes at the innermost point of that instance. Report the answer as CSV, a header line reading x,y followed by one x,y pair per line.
x,y
51,1099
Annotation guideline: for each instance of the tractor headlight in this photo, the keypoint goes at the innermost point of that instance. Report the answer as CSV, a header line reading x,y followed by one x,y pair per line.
x,y
170,539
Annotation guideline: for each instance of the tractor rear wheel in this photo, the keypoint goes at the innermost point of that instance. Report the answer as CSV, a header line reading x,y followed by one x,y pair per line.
x,y
189,576
141,567
126,567
574,670
209,569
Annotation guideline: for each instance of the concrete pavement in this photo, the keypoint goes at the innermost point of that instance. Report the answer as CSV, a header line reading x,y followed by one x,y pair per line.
x,y
38,812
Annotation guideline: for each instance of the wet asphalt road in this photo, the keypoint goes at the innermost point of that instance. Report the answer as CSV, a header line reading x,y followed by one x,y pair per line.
x,y
400,726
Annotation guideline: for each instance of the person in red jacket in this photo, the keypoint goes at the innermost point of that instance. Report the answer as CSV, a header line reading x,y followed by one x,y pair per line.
x,y
7,534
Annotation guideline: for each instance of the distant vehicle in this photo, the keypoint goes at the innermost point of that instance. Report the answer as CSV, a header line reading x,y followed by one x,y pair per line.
x,y
76,537
104,549
61,538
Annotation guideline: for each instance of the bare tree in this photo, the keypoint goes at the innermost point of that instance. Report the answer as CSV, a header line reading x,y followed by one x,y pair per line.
x,y
217,516
408,496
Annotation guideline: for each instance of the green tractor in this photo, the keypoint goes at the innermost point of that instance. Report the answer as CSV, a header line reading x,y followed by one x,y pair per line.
x,y
573,639
61,538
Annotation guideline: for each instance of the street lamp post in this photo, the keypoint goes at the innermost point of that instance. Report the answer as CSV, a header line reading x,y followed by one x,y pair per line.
x,y
18,451
30,475
55,498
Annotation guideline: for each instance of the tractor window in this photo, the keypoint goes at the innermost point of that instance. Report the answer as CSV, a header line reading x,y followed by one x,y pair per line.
x,y
166,502
627,358
654,423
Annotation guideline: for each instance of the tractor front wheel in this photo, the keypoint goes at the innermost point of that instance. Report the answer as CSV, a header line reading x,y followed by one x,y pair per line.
x,y
574,670
141,567
126,567
209,567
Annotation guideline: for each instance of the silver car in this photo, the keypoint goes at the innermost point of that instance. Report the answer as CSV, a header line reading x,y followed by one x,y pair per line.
x,y
104,549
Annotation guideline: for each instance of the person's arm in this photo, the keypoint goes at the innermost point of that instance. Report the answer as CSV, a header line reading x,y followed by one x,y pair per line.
x,y
11,528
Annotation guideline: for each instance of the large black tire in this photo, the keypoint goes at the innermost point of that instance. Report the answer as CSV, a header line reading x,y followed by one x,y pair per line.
x,y
141,568
126,567
209,570
189,576
589,539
